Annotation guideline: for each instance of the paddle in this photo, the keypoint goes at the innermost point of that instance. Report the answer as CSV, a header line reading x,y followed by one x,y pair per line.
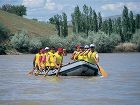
x,y
47,72
102,71
59,68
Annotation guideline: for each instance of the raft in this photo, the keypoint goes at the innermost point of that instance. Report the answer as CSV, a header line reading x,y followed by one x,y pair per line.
x,y
78,68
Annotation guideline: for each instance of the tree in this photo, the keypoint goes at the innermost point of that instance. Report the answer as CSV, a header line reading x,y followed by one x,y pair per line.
x,y
76,19
137,21
95,22
86,21
60,22
90,19
57,23
125,23
19,10
132,23
105,26
99,21
65,26
110,29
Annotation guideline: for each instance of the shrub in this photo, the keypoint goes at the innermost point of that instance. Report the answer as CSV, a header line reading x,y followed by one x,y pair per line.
x,y
20,41
104,42
125,47
2,50
4,33
34,45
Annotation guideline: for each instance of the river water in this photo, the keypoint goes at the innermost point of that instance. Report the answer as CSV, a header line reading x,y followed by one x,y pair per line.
x,y
121,87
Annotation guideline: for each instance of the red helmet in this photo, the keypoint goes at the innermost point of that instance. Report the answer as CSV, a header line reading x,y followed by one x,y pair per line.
x,y
60,50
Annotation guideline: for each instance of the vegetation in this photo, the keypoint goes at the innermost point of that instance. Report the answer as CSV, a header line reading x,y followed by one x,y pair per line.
x,y
119,34
34,28
18,10
126,47
60,24
4,35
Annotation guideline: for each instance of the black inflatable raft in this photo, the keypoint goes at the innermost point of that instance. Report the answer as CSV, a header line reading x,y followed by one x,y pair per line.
x,y
79,68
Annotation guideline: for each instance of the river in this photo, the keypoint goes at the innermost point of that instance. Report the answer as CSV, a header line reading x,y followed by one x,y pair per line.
x,y
121,87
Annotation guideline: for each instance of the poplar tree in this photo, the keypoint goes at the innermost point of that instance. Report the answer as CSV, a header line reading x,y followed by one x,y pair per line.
x,y
132,22
95,22
86,13
65,26
125,23
110,29
99,21
137,21
105,27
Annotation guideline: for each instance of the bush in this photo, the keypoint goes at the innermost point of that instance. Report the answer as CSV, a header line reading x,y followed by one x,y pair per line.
x,y
34,45
2,50
104,42
4,33
136,39
126,47
20,41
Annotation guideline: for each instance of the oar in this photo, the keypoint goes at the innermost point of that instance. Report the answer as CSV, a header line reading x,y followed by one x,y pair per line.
x,y
102,71
59,68
47,72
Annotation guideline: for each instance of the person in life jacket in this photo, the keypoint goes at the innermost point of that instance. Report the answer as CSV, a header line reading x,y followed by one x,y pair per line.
x,y
50,58
47,49
92,55
86,50
75,53
79,56
36,61
57,61
42,60
64,52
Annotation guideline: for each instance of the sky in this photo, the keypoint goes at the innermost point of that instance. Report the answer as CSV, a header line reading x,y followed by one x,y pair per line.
x,y
45,9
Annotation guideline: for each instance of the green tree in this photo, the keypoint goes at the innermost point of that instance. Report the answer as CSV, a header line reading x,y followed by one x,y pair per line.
x,y
90,19
99,21
76,19
105,27
137,21
65,26
57,23
132,22
86,21
95,22
19,10
125,24
110,29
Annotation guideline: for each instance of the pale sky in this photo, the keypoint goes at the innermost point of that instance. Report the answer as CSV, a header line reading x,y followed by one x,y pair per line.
x,y
45,9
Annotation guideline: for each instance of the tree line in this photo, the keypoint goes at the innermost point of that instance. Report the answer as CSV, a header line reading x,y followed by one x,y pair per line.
x,y
19,10
89,20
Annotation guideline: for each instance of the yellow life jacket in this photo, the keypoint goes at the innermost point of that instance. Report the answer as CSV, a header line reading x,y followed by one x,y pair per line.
x,y
51,59
37,56
85,58
91,57
47,61
80,57
59,58
75,54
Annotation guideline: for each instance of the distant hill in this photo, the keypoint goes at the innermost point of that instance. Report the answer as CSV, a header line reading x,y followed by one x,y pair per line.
x,y
35,28
115,17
